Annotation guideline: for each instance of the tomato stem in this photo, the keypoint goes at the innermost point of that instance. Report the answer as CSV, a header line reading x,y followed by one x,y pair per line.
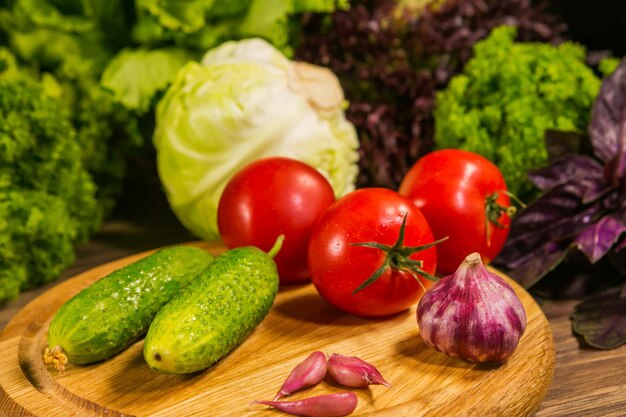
x,y
278,244
493,211
397,257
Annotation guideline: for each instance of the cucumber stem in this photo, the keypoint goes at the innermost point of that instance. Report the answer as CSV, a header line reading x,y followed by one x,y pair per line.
x,y
277,245
56,358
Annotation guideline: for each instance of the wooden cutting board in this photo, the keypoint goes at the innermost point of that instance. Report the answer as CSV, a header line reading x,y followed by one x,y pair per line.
x,y
424,382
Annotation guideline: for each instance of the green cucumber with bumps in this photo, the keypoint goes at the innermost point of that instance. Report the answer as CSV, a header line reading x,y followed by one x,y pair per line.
x,y
113,312
214,314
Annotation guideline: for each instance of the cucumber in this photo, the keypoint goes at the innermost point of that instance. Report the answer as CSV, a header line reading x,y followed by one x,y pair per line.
x,y
109,315
214,314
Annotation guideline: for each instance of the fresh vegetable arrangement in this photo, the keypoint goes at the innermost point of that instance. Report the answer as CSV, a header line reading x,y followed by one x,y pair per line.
x,y
261,151
508,95
393,56
107,62
581,212
247,101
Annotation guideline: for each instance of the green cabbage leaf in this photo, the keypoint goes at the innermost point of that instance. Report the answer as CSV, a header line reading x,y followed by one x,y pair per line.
x,y
135,76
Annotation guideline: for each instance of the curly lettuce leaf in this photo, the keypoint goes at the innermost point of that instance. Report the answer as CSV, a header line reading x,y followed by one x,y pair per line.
x,y
37,236
47,197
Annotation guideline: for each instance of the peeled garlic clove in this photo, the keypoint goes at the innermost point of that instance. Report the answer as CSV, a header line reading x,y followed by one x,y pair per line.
x,y
330,405
351,371
472,314
311,371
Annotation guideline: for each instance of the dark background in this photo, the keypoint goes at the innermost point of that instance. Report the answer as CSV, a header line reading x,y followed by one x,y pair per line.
x,y
598,24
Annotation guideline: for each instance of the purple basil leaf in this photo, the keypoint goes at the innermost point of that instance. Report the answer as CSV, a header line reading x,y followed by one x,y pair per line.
x,y
612,201
532,265
607,129
560,144
565,170
559,213
618,257
601,319
596,240
576,278
542,234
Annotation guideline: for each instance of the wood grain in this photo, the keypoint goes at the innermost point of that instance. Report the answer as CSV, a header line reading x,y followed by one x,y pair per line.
x,y
424,381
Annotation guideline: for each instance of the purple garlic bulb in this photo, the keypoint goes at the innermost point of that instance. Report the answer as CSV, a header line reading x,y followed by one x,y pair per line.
x,y
351,371
472,314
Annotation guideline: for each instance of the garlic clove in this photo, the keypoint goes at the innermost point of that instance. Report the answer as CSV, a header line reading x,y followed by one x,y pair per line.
x,y
472,314
351,371
309,372
329,405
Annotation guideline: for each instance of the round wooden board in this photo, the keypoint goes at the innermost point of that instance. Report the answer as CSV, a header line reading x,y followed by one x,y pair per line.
x,y
424,382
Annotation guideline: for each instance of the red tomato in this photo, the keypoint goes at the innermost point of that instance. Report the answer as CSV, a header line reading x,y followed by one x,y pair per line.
x,y
452,188
338,268
270,197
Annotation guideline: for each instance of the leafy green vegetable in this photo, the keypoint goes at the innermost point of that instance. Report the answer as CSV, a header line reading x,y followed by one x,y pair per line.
x,y
105,130
136,75
203,24
508,95
244,102
37,237
79,42
74,41
47,197
92,72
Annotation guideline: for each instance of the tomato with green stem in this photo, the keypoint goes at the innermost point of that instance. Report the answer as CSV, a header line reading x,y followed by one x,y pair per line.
x,y
372,253
464,197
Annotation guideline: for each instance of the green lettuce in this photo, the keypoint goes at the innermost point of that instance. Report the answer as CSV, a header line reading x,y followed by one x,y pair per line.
x,y
203,24
47,197
73,41
135,76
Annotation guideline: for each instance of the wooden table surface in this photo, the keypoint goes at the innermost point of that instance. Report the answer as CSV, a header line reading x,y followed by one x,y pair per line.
x,y
586,382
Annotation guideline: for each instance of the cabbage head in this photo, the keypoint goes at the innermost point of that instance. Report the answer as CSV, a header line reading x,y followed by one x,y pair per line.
x,y
243,102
